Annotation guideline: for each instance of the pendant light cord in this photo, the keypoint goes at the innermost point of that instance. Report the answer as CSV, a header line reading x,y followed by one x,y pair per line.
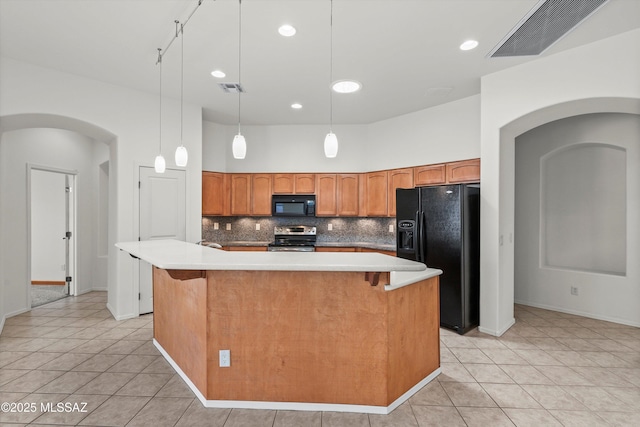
x,y
181,79
331,68
239,60
160,65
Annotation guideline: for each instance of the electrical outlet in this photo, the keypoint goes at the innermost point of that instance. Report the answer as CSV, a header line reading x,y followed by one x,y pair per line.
x,y
62,267
228,227
257,227
216,226
330,227
225,358
390,228
574,290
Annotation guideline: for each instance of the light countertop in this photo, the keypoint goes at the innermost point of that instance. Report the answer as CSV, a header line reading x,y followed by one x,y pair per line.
x,y
178,255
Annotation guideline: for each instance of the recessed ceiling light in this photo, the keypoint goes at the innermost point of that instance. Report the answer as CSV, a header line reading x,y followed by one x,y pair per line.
x,y
296,106
287,30
346,86
217,73
468,45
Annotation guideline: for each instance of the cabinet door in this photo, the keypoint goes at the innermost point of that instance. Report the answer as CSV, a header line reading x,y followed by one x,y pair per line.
x,y
348,191
335,249
376,193
398,178
305,183
429,175
215,194
283,183
464,171
240,194
246,248
326,200
261,194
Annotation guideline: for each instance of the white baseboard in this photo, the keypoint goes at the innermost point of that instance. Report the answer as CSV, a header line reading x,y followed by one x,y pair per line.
x,y
296,406
498,332
580,313
15,313
120,317
2,324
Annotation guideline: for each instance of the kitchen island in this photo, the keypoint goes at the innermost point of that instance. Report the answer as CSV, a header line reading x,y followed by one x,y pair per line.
x,y
304,331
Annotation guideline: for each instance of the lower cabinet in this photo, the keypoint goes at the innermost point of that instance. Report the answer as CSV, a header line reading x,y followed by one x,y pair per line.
x,y
352,249
245,248
335,249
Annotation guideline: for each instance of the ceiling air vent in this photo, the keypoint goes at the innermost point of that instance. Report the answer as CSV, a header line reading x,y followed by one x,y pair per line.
x,y
231,87
545,24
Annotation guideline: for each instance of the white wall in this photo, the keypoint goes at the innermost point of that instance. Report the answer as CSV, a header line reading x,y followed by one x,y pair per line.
x,y
445,133
48,225
440,134
101,202
126,119
597,250
599,77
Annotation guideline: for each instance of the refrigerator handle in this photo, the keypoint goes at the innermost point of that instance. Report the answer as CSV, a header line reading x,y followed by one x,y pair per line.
x,y
423,237
419,241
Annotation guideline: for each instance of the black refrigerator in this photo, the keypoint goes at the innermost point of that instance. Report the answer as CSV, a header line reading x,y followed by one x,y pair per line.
x,y
440,226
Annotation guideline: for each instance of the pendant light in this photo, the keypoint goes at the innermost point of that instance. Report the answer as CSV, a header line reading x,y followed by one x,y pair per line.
x,y
160,164
239,146
331,140
181,152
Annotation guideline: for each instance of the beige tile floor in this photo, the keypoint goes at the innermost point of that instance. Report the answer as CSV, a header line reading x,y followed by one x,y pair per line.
x,y
550,369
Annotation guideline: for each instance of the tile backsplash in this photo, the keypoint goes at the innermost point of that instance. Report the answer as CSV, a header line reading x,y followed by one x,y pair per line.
x,y
344,230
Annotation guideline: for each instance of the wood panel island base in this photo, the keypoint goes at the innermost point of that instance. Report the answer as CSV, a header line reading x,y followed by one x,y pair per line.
x,y
301,338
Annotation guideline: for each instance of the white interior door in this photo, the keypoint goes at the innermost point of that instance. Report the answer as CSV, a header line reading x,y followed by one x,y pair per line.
x,y
162,216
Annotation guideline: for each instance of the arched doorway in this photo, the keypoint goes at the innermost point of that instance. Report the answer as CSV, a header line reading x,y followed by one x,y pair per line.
x,y
497,298
57,136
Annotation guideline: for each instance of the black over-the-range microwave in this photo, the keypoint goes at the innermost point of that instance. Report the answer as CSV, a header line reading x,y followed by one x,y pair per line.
x,y
293,205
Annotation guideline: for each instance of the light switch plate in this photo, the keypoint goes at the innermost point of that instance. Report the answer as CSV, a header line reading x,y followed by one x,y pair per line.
x,y
228,226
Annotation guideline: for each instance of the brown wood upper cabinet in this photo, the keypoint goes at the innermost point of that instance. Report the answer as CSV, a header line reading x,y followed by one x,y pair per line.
x,y
376,197
283,183
305,183
215,193
261,194
348,194
326,194
398,178
464,171
294,183
429,175
240,193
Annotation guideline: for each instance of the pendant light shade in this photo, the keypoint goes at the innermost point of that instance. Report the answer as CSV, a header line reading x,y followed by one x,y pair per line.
x,y
160,164
331,145
182,157
239,147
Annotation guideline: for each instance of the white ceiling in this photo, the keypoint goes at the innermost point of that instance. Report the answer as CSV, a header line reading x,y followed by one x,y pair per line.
x,y
398,49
